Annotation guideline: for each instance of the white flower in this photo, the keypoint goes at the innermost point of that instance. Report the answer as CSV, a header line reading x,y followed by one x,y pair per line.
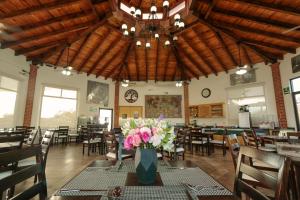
x,y
155,140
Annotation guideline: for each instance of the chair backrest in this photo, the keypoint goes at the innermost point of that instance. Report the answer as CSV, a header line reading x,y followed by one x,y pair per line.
x,y
234,147
293,136
249,138
11,141
9,158
266,180
46,142
63,130
295,183
110,142
180,138
31,139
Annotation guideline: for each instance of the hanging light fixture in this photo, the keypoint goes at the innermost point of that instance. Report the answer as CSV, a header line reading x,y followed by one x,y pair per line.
x,y
138,43
156,36
138,13
178,84
132,10
67,70
241,70
166,4
148,45
125,83
167,43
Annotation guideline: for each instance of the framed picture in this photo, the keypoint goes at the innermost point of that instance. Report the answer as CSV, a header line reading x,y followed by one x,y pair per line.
x,y
249,77
97,93
296,64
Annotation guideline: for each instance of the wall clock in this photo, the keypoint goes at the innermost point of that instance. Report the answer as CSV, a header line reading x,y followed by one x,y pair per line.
x,y
206,92
131,96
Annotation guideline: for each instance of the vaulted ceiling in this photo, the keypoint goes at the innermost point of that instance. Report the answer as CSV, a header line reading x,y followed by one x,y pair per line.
x,y
216,32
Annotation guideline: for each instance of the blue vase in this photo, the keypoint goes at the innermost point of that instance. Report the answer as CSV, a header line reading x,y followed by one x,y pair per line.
x,y
146,165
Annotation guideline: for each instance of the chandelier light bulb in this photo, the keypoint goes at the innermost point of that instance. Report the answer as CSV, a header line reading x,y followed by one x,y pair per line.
x,y
181,24
177,17
176,24
148,45
156,36
178,84
166,4
68,73
125,33
241,71
69,68
124,27
138,13
153,9
167,43
132,29
138,43
175,38
64,72
132,10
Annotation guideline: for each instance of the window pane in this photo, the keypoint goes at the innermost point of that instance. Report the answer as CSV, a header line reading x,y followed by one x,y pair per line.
x,y
296,85
7,108
9,83
49,91
69,94
58,111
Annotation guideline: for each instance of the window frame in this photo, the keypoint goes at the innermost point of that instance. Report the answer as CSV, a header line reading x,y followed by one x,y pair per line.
x,y
293,94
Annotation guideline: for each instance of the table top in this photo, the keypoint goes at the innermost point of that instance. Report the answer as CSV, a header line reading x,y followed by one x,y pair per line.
x,y
287,149
165,173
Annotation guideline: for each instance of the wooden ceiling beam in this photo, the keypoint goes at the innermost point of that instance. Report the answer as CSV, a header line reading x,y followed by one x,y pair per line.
x,y
39,8
204,41
32,38
156,59
272,56
166,64
105,52
206,62
29,50
238,27
268,22
59,57
92,51
136,62
269,6
249,61
79,49
210,8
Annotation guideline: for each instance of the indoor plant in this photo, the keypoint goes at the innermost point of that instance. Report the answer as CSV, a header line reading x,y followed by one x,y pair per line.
x,y
147,135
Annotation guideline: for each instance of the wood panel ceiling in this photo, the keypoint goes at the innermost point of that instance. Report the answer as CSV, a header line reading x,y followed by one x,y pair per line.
x,y
215,31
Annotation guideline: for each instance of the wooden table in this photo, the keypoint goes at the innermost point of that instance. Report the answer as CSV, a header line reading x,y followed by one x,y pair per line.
x,y
274,138
290,150
177,164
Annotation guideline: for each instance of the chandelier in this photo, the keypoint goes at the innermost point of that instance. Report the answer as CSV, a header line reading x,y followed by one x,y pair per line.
x,y
147,25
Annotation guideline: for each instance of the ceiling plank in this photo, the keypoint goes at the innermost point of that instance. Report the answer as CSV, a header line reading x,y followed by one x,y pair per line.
x,y
179,64
32,38
59,57
204,41
269,6
249,61
39,8
136,62
93,51
187,41
166,64
105,52
37,48
79,49
156,61
238,27
210,8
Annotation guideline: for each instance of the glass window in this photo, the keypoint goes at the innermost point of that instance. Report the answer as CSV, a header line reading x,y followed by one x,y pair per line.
x,y
8,97
296,85
59,107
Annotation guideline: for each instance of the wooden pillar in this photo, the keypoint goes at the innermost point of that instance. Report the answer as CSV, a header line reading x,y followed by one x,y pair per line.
x,y
116,105
30,95
279,95
186,103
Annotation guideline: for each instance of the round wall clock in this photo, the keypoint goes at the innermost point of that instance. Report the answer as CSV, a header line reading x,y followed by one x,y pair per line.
x,y
206,92
131,96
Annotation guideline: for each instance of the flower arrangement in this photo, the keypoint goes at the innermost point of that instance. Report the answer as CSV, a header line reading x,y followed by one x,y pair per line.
x,y
148,134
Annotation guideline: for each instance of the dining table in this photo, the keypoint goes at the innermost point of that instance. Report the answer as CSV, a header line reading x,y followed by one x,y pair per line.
x,y
288,149
174,180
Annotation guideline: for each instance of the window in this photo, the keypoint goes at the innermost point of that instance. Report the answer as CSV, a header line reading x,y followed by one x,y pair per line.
x,y
254,97
59,107
8,97
295,83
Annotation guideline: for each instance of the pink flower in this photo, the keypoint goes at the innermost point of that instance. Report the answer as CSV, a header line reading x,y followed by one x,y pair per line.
x,y
136,140
154,130
128,143
137,130
145,134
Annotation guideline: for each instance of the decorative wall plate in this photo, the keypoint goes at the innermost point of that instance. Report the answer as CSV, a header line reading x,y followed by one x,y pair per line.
x,y
206,92
131,96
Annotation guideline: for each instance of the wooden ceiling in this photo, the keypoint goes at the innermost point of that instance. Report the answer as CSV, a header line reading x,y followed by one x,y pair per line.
x,y
215,31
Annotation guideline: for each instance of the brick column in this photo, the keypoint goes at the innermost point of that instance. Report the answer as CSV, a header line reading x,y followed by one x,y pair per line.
x,y
116,105
30,95
279,95
186,103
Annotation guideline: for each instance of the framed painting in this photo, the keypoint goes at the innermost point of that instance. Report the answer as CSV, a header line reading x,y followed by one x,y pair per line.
x,y
97,93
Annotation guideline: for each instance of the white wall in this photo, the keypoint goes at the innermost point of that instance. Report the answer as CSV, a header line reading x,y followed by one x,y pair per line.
x,y
221,83
10,66
286,75
151,88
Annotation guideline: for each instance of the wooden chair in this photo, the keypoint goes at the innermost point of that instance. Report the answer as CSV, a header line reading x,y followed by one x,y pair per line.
x,y
90,141
294,183
32,137
293,137
62,134
221,143
179,145
112,147
9,142
234,148
8,161
249,138
198,140
266,180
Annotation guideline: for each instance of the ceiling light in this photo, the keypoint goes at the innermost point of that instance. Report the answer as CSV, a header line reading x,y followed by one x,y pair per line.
x,y
241,71
156,36
175,38
69,68
125,83
153,9
132,29
124,27
148,45
176,24
138,43
132,10
177,17
181,24
167,43
125,33
166,4
178,84
138,13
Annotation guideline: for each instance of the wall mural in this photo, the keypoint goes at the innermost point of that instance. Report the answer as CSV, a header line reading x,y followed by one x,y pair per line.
x,y
97,93
249,77
167,105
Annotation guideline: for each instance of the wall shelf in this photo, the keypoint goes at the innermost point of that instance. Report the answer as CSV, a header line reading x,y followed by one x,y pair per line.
x,y
214,110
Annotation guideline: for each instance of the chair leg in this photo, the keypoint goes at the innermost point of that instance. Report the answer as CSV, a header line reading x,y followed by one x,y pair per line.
x,y
83,146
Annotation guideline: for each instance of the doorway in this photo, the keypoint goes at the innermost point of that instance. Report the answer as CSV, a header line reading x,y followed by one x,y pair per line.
x,y
295,83
106,117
